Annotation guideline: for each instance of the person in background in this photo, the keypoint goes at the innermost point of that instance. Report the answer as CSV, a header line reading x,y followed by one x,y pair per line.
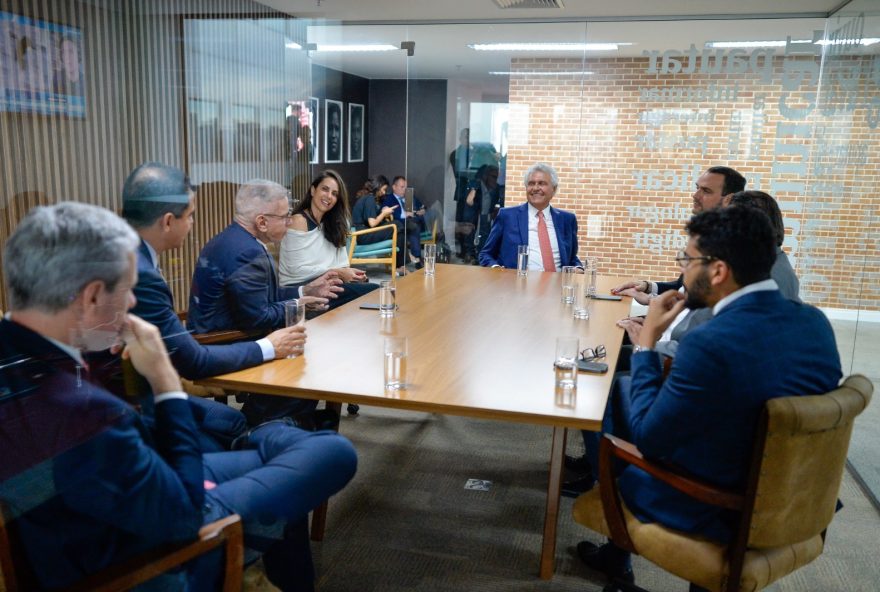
x,y
405,220
369,212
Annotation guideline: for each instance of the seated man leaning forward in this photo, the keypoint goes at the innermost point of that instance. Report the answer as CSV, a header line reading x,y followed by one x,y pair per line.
x,y
159,202
552,239
702,418
86,483
235,283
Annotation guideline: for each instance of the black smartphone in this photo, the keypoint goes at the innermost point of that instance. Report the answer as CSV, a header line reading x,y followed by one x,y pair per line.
x,y
374,306
594,367
606,297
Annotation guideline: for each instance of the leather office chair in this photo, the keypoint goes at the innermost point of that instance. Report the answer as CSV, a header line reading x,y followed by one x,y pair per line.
x,y
789,500
17,575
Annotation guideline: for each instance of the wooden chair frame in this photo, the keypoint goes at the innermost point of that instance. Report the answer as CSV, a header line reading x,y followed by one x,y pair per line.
x,y
388,260
17,575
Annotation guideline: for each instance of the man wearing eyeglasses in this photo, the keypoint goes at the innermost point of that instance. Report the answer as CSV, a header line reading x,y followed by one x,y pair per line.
x,y
758,345
235,284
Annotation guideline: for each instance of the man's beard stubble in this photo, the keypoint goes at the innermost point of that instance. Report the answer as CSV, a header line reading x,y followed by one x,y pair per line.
x,y
698,290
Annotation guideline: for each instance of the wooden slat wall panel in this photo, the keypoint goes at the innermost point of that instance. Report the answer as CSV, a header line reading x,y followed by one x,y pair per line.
x,y
142,63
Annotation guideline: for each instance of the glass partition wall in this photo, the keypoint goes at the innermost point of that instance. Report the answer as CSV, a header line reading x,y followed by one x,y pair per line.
x,y
629,113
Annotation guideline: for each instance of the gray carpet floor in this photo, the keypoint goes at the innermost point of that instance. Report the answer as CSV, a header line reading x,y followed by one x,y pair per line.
x,y
406,521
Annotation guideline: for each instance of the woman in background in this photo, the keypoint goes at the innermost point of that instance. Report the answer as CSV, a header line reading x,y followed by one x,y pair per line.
x,y
369,213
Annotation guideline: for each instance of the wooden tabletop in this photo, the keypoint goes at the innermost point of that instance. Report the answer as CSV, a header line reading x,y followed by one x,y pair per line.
x,y
481,344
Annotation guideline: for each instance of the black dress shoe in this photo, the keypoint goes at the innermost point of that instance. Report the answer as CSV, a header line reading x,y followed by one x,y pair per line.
x,y
576,487
607,559
578,463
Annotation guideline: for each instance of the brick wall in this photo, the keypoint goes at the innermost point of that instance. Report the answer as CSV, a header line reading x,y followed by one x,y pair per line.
x,y
630,138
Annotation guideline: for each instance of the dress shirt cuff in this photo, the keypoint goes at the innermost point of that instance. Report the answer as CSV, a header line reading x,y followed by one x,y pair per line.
x,y
653,291
300,291
170,395
496,265
267,348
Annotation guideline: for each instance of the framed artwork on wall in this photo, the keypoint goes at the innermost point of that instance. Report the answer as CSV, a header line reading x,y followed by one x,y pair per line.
x,y
332,131
355,132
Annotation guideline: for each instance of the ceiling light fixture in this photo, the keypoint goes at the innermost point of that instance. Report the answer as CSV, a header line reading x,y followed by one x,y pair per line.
x,y
778,43
546,46
358,47
293,45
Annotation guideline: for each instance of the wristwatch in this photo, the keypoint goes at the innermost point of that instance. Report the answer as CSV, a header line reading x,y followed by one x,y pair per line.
x,y
641,348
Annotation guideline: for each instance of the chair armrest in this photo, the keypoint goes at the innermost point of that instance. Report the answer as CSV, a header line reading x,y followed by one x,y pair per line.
x,y
230,336
226,532
373,229
611,448
356,233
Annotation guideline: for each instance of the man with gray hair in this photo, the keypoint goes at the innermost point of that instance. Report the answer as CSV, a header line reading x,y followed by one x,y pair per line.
x,y
86,483
235,284
552,239
159,202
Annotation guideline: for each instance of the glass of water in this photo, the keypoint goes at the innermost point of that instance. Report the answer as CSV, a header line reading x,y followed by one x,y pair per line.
x,y
396,351
522,260
565,365
294,315
591,268
568,284
387,302
429,257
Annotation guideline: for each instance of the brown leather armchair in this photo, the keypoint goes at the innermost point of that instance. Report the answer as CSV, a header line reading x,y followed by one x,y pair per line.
x,y
789,500
16,574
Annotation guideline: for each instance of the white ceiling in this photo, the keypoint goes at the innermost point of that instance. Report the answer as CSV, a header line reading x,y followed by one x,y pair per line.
x,y
441,32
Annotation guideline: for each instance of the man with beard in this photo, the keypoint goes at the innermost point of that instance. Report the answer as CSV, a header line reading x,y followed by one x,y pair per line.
x,y
713,187
702,418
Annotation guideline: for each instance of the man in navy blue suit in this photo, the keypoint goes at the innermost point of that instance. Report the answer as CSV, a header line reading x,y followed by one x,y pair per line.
x,y
406,220
87,484
550,233
235,284
159,203
702,418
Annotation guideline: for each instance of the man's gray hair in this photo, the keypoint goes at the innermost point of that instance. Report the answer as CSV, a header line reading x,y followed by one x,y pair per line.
x,y
253,197
57,250
544,168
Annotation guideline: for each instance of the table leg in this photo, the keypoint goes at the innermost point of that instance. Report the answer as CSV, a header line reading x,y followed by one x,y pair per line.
x,y
319,514
551,515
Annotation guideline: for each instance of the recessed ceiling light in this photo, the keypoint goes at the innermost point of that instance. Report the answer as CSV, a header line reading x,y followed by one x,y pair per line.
x,y
546,46
358,47
780,43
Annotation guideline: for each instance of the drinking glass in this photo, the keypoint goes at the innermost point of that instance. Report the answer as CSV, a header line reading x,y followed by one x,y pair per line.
x,y
386,301
522,260
565,364
429,257
591,268
582,302
568,284
294,315
396,350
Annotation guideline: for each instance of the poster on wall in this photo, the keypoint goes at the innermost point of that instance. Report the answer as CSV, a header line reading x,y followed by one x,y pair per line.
x,y
355,132
332,131
42,67
302,121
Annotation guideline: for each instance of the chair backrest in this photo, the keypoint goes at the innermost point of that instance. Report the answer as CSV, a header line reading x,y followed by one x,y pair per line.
x,y
797,475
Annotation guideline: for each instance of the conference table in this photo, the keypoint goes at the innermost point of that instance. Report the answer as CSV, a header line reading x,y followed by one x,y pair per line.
x,y
481,342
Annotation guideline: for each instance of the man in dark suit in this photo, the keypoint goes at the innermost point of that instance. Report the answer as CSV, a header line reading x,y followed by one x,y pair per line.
x,y
405,219
714,186
159,203
235,284
552,239
86,482
702,418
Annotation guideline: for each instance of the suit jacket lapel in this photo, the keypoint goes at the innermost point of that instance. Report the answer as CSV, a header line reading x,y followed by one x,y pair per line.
x,y
523,223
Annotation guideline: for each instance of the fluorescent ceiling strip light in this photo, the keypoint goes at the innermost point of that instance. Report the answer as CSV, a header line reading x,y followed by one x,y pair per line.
x,y
539,73
292,45
358,47
776,43
546,46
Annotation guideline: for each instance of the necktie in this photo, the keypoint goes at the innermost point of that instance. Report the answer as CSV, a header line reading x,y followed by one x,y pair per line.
x,y
544,243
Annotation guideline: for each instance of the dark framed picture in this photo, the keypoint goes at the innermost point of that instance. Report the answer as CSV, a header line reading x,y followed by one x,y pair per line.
x,y
332,131
355,132
314,119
